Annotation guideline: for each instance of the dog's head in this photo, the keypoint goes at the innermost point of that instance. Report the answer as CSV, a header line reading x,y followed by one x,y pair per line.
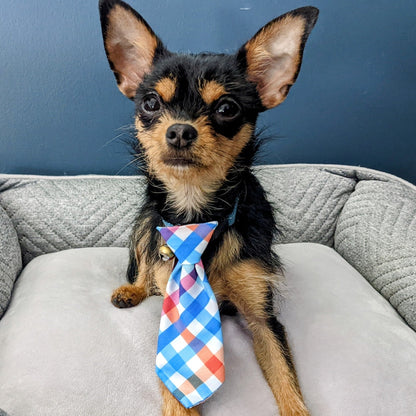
x,y
195,114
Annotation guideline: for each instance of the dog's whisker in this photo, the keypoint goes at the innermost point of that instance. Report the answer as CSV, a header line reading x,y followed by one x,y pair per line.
x,y
126,127
112,140
126,166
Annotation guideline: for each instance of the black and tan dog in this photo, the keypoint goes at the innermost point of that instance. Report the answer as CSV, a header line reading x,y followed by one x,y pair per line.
x,y
195,119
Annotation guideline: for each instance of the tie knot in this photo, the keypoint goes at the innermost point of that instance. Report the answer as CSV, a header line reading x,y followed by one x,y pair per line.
x,y
188,242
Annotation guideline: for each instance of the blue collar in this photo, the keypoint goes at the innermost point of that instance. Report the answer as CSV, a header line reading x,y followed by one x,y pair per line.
x,y
231,217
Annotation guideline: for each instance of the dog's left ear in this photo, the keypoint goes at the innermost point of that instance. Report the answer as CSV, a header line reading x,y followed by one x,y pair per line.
x,y
274,55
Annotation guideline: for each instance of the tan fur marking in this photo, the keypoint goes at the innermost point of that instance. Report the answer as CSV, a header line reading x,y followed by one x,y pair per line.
x,y
211,90
247,287
184,190
190,188
273,58
227,254
166,88
161,274
142,237
130,47
145,276
144,284
131,295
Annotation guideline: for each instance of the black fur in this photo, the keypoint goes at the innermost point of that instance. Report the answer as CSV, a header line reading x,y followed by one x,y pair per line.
x,y
278,329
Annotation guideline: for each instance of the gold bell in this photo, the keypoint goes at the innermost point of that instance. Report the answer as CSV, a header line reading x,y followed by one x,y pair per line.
x,y
166,253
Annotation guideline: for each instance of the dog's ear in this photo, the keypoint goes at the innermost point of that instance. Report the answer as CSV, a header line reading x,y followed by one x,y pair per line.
x,y
130,44
274,55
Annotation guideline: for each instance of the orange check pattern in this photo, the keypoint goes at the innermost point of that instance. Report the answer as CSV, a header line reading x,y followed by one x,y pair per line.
x,y
190,356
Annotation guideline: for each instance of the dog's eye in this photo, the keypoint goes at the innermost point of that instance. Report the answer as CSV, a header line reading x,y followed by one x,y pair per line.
x,y
227,108
151,104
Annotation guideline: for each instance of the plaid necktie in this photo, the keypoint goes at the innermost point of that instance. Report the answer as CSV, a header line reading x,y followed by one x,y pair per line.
x,y
190,357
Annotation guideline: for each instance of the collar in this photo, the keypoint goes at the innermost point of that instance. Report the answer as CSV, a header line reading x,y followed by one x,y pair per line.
x,y
231,218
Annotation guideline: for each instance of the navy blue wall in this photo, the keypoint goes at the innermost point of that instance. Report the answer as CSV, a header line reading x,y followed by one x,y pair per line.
x,y
354,101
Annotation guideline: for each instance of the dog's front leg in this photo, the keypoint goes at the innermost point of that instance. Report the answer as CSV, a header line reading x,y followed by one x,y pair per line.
x,y
273,356
140,274
248,287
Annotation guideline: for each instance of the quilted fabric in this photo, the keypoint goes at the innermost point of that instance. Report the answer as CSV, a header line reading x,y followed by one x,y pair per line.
x,y
54,214
99,211
376,233
313,204
307,201
10,260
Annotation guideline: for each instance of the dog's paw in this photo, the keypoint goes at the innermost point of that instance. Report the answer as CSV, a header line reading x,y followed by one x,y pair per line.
x,y
127,296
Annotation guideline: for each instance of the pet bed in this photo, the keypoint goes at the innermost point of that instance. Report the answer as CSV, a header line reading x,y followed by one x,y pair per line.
x,y
348,243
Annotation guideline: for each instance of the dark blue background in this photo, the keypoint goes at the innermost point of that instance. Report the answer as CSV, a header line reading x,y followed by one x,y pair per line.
x,y
354,101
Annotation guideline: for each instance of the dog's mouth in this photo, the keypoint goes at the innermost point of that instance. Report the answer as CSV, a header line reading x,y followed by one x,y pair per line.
x,y
180,161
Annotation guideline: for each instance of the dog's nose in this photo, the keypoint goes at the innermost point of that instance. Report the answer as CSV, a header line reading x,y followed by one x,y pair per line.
x,y
181,135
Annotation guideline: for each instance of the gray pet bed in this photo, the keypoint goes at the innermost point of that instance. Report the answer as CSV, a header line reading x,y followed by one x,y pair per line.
x,y
349,246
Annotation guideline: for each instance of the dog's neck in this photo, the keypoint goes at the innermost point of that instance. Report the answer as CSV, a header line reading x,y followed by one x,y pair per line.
x,y
189,200
184,202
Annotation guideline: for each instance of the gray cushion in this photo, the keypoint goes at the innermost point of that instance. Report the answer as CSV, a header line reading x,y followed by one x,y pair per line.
x,y
376,232
313,204
10,259
57,213
355,355
307,201
64,349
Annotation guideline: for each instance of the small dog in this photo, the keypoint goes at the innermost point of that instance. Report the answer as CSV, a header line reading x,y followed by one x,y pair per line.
x,y
195,119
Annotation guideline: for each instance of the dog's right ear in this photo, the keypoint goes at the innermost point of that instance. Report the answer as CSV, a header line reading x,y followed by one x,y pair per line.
x,y
274,54
130,44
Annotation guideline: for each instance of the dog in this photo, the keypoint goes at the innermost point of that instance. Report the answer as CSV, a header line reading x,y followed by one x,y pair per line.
x,y
195,117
